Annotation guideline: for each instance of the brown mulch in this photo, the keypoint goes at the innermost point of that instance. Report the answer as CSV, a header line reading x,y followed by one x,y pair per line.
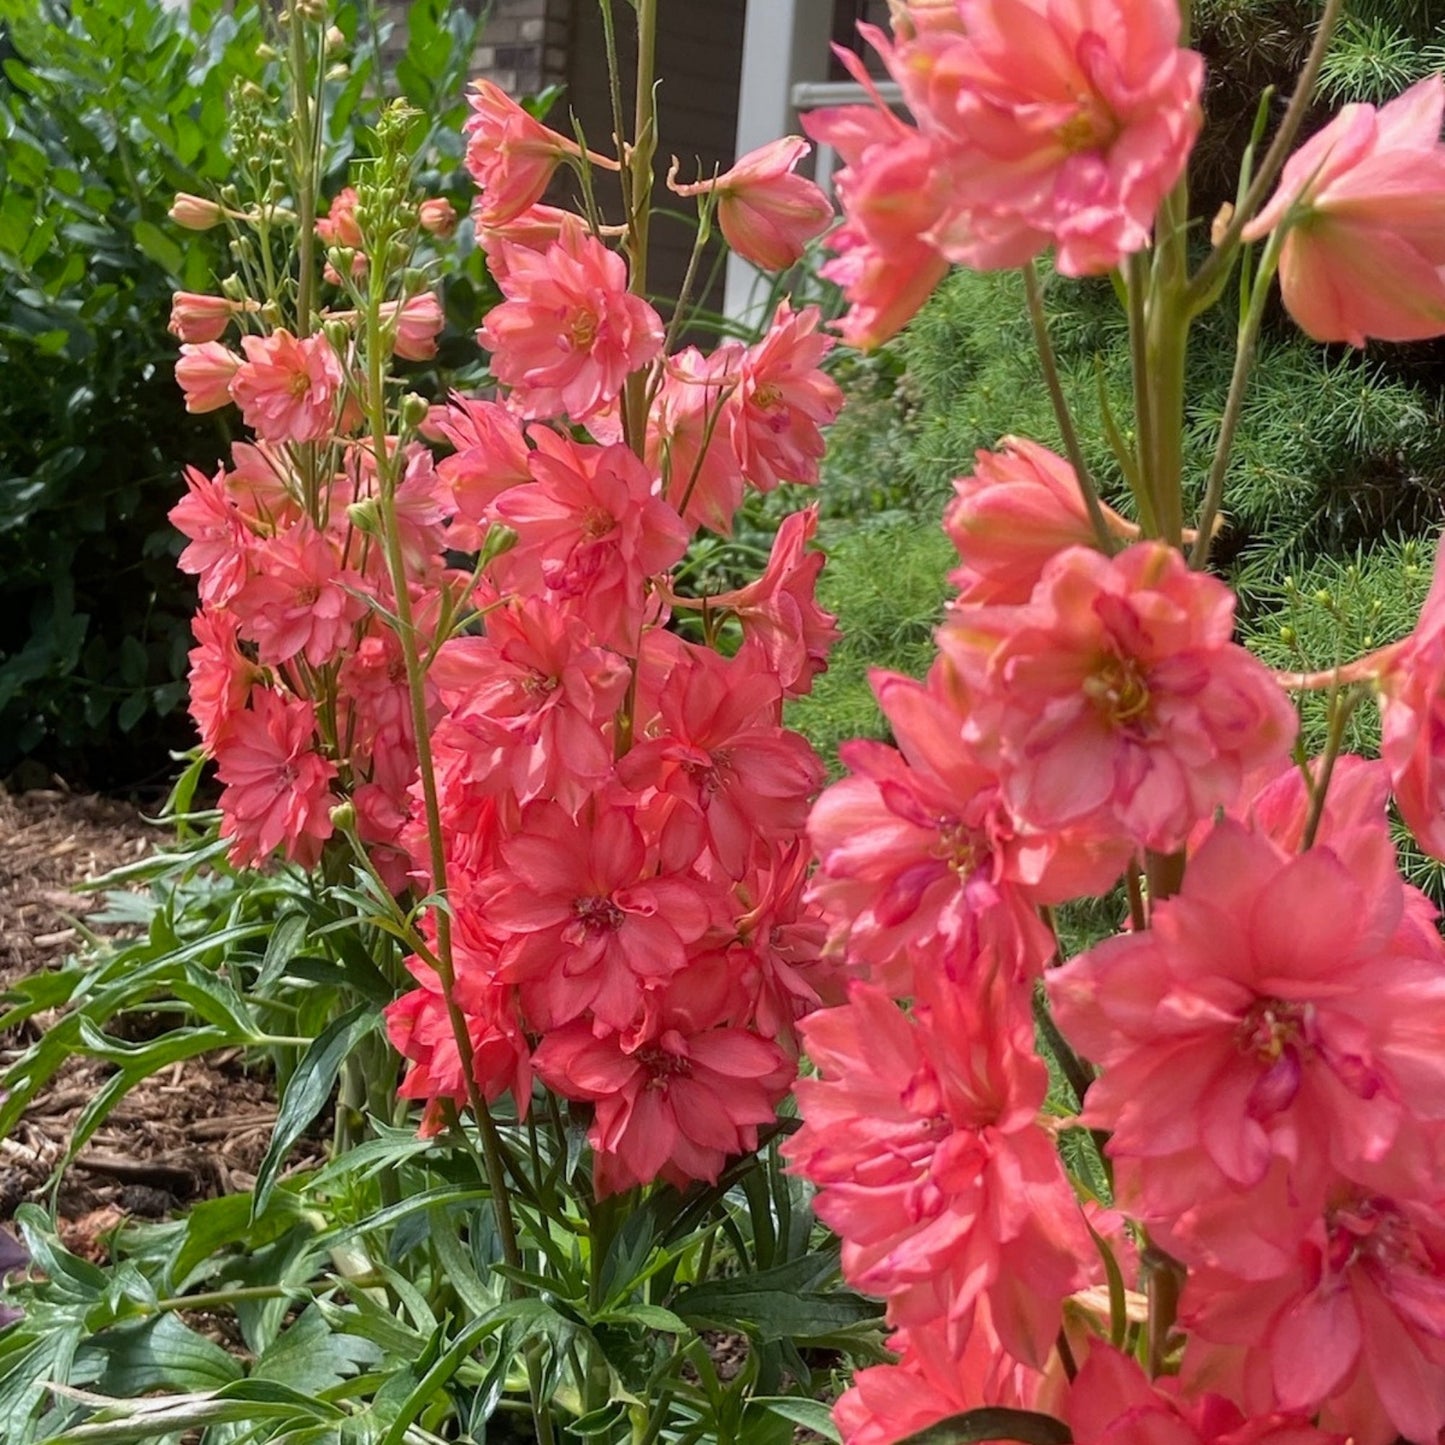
x,y
192,1132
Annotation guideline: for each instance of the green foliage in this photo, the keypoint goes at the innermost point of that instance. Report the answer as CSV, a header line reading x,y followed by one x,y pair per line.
x,y
107,109
371,1297
885,580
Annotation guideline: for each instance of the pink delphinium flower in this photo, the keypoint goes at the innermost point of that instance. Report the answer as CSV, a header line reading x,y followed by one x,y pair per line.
x,y
1365,202
338,226
491,457
588,920
893,191
1112,1401
277,787
537,698
922,1132
420,1029
1278,1008
782,623
687,437
219,545
932,1381
511,155
676,1103
1411,680
437,216
1069,125
1116,700
287,387
220,676
782,400
718,748
204,373
299,600
569,333
766,213
196,213
590,531
1351,1327
917,853
418,323
1019,506
196,318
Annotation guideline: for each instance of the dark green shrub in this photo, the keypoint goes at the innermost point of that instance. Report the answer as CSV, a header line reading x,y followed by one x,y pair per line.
x,y
107,108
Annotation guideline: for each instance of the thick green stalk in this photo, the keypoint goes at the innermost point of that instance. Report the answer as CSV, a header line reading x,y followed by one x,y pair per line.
x,y
638,163
1244,354
1062,415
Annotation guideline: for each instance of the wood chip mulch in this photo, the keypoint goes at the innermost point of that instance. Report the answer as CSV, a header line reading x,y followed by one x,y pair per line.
x,y
196,1130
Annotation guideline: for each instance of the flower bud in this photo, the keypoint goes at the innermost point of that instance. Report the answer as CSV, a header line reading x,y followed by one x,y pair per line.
x,y
500,538
1219,226
437,216
414,411
343,817
365,517
196,213
338,333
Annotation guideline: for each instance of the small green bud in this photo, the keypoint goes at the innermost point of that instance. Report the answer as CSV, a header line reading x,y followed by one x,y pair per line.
x,y
414,411
338,333
365,516
1288,636
500,538
343,817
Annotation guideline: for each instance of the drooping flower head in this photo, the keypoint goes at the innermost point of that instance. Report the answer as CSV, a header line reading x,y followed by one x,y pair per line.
x,y
767,213
1365,202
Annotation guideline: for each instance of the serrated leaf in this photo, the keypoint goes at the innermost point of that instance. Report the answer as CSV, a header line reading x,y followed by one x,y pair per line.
x,y
309,1090
1026,1426
312,1357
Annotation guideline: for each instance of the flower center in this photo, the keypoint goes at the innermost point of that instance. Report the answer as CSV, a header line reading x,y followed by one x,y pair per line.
x,y
597,522
1119,691
583,329
958,846
663,1067
300,383
1270,1027
598,915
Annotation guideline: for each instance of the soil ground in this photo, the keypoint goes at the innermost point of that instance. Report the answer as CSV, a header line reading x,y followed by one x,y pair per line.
x,y
195,1131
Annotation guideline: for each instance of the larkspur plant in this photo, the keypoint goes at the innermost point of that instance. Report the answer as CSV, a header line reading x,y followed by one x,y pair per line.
x,y
1249,1242
587,830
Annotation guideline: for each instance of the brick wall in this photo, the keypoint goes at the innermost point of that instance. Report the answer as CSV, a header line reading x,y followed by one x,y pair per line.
x,y
524,45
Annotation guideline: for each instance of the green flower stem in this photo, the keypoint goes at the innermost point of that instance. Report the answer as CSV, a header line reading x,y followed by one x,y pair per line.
x,y
1062,414
1222,256
307,121
221,1298
1342,706
1137,285
386,472
1246,347
637,164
